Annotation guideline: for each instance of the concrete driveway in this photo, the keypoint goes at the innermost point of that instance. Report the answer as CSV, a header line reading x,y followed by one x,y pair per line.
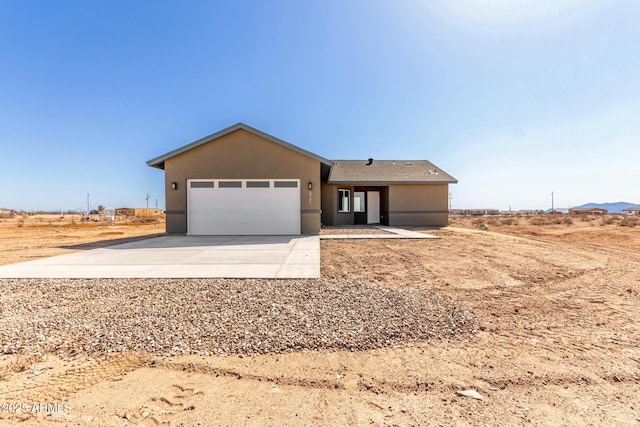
x,y
184,257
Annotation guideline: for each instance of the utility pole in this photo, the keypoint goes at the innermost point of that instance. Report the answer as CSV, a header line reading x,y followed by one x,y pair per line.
x,y
88,206
156,204
148,197
552,207
450,198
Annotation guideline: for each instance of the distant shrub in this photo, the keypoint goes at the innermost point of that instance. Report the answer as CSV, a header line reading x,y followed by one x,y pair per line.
x,y
477,221
608,220
564,219
630,221
508,221
538,220
492,221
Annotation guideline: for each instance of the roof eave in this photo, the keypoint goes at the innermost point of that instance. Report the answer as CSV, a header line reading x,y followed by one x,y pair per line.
x,y
348,182
156,163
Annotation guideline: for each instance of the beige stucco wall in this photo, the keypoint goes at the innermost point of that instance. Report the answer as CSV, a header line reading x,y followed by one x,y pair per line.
x,y
416,204
330,214
241,155
409,204
328,203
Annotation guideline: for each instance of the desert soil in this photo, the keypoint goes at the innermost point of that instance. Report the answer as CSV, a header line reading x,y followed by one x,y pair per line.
x,y
353,230
25,238
558,344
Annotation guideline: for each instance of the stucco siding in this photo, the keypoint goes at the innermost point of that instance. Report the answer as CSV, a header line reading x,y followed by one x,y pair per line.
x,y
415,204
241,155
330,214
328,203
343,218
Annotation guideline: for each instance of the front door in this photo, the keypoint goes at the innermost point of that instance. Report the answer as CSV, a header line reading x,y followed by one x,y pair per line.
x,y
373,207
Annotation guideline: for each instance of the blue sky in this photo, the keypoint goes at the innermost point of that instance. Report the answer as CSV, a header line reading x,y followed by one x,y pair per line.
x,y
515,98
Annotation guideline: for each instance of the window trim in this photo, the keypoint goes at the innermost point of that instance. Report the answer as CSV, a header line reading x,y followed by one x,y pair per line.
x,y
348,194
285,183
258,184
363,205
230,183
202,184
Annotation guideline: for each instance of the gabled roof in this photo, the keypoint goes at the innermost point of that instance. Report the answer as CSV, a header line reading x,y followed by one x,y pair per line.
x,y
388,172
158,162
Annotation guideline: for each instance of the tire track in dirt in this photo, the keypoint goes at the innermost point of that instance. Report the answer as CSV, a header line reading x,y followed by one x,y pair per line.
x,y
222,372
59,386
594,321
586,315
562,301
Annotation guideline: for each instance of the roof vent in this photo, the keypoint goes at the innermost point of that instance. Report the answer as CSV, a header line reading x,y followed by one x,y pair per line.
x,y
370,161
408,163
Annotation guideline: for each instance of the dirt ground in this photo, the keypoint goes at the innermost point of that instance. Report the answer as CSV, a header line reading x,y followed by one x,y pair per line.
x,y
25,238
559,308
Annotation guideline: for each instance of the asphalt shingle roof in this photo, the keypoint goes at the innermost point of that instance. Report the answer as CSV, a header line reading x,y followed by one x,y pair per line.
x,y
388,171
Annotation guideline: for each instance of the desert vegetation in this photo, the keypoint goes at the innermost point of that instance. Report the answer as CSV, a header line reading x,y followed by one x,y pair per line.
x,y
556,219
74,220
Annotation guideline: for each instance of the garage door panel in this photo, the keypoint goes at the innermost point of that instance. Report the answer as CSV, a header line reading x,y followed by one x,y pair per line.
x,y
243,211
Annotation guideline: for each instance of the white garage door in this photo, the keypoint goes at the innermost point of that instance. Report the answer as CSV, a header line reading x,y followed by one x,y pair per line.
x,y
243,207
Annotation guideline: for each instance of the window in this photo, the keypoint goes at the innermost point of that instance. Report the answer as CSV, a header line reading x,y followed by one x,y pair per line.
x,y
257,184
230,184
286,184
201,184
343,200
358,201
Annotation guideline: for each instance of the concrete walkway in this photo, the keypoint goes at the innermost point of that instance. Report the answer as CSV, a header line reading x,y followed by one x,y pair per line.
x,y
398,233
184,257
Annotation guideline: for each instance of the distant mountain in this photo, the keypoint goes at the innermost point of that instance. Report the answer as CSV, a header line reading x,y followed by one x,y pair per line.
x,y
611,207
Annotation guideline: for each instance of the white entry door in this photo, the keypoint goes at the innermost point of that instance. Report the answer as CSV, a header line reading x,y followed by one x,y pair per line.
x,y
243,207
373,207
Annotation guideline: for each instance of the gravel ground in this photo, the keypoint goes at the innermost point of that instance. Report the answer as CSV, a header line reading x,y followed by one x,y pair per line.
x,y
216,316
352,229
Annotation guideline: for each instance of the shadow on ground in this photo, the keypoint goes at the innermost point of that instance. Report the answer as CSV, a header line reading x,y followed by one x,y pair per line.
x,y
111,242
